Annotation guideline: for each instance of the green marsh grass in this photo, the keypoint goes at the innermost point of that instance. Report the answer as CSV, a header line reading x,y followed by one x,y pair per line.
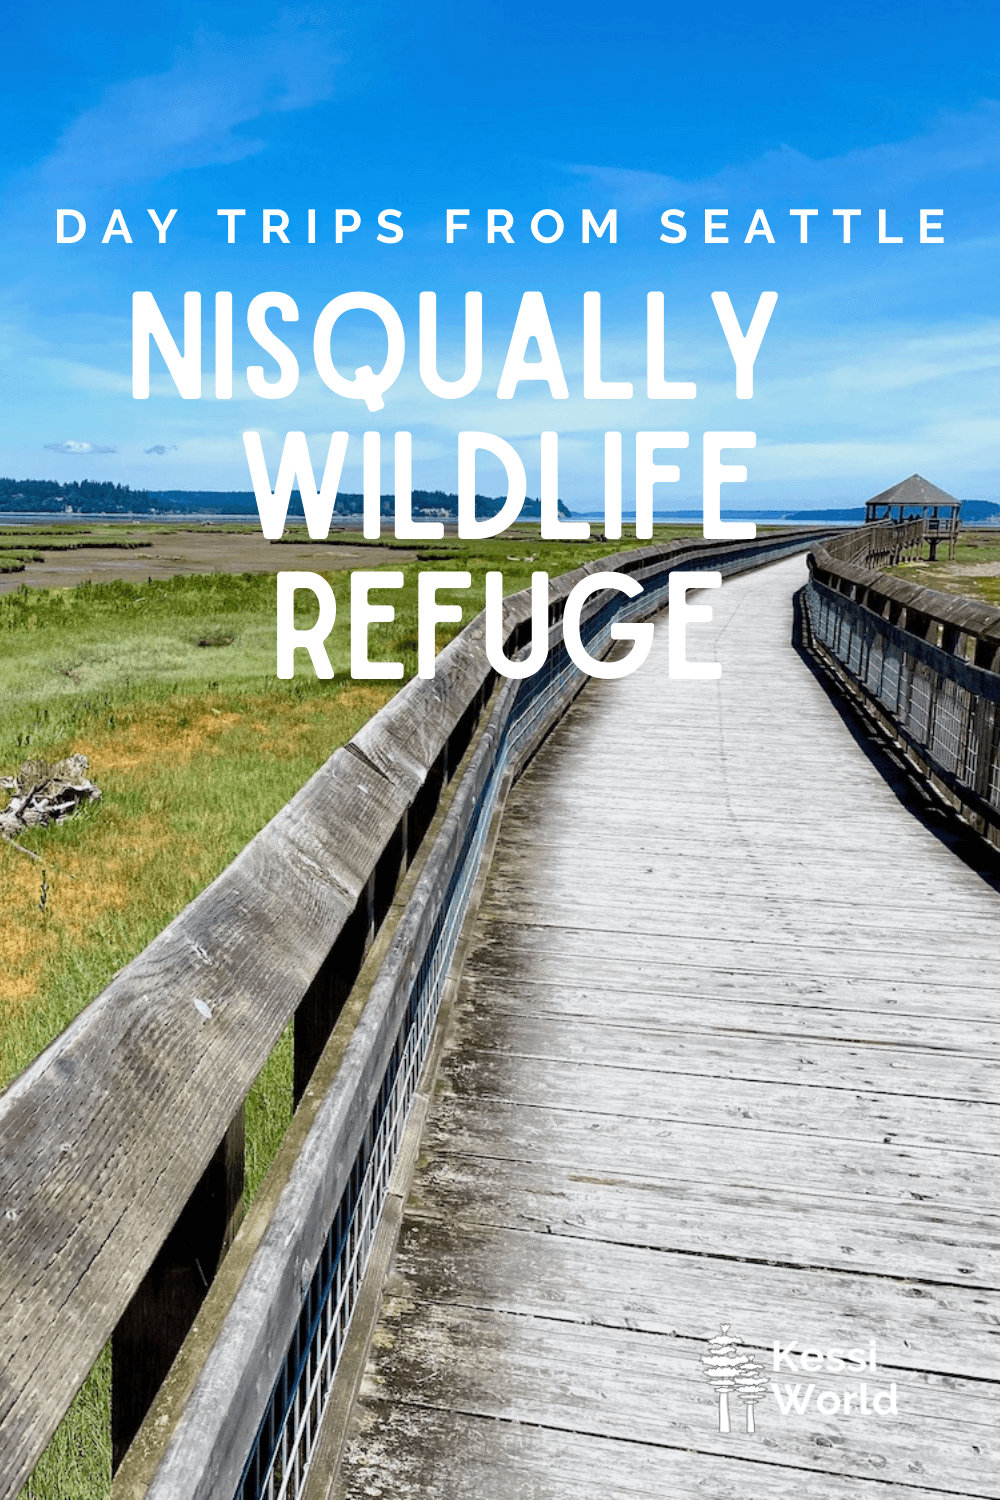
x,y
975,549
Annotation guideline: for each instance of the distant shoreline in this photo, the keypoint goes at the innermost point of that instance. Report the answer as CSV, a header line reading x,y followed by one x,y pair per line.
x,y
83,518
354,523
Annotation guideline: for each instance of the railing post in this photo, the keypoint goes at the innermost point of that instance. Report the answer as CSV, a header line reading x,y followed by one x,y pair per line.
x,y
988,650
316,1013
987,731
166,1303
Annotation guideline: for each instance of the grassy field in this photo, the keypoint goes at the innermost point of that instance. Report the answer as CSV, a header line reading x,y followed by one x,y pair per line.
x,y
169,688
974,572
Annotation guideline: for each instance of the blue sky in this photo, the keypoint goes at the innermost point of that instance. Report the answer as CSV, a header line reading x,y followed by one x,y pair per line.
x,y
879,360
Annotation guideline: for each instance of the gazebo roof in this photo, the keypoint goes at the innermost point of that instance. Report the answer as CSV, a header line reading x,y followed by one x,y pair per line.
x,y
915,491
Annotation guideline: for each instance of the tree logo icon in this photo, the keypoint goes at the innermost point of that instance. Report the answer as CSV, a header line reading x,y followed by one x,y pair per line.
x,y
727,1370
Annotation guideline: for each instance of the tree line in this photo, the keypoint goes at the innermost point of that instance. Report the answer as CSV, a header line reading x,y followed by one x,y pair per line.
x,y
82,495
102,496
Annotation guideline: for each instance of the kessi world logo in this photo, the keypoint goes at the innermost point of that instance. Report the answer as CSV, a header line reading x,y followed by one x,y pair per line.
x,y
732,1372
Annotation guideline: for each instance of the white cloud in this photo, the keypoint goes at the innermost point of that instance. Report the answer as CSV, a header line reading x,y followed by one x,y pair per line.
x,y
71,445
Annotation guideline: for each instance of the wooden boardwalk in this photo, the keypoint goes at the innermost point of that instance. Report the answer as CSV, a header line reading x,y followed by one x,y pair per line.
x,y
724,1051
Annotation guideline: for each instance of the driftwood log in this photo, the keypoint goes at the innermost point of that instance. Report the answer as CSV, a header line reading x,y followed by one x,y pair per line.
x,y
42,793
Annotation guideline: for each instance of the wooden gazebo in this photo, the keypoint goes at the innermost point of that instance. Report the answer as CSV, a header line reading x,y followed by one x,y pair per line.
x,y
916,499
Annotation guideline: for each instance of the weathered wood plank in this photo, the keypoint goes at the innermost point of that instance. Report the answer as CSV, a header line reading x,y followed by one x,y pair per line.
x,y
532,1274
885,1060
782,1227
635,1386
752,920
714,872
660,950
627,1089
427,1451
741,1155
966,1021
781,988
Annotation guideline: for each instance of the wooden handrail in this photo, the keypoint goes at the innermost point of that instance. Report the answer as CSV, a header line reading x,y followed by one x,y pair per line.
x,y
852,563
923,666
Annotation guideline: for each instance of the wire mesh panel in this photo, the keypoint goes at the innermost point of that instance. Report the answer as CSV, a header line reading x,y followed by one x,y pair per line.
x,y
873,671
970,751
919,704
855,643
892,663
994,792
950,708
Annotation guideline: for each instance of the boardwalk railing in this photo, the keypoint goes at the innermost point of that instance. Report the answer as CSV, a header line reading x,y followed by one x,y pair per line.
x,y
122,1164
926,665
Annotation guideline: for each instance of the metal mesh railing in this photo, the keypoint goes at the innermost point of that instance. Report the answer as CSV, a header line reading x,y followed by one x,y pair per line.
x,y
940,704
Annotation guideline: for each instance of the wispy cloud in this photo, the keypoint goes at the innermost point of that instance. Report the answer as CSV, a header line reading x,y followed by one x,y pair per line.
x,y
958,144
191,114
71,445
161,448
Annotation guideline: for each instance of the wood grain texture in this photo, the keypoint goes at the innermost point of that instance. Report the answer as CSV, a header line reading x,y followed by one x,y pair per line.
x,y
720,1054
632,1386
787,1226
408,1452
